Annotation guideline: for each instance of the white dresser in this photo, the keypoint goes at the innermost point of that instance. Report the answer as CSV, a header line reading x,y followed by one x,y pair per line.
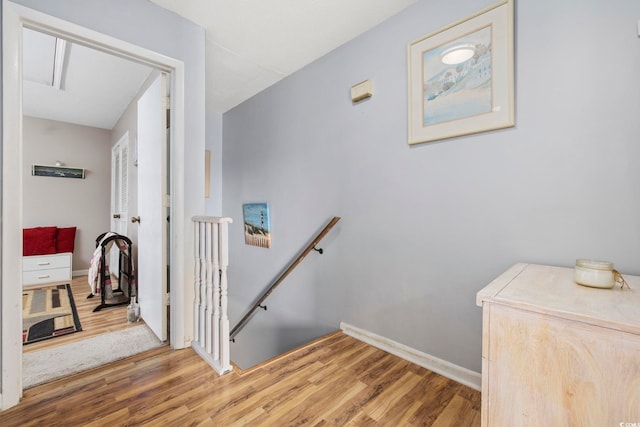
x,y
46,268
555,353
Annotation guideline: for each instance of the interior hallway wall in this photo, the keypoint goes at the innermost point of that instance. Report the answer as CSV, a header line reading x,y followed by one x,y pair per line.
x,y
213,204
425,227
66,202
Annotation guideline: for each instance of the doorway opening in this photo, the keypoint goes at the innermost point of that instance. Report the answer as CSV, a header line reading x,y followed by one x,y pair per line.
x,y
15,19
83,133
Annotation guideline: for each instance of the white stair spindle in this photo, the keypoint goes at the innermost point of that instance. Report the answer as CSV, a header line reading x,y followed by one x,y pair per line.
x,y
203,288
216,292
196,280
211,243
211,322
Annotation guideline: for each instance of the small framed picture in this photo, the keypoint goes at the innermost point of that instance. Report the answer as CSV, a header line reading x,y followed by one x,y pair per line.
x,y
257,228
57,171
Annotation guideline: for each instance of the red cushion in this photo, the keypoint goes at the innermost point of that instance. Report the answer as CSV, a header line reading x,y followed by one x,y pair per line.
x,y
39,241
65,239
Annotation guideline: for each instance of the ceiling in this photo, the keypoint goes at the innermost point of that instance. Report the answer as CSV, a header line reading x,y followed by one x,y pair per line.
x,y
250,45
94,88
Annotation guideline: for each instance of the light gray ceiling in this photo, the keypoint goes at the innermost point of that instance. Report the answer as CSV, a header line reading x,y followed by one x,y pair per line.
x,y
250,45
95,87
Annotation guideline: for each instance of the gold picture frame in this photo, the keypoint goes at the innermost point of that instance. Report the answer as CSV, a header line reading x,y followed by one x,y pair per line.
x,y
460,78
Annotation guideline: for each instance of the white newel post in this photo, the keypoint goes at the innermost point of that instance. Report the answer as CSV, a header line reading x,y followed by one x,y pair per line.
x,y
211,322
224,319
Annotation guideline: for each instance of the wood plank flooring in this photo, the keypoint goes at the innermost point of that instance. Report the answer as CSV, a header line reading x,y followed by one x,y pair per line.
x,y
335,381
106,320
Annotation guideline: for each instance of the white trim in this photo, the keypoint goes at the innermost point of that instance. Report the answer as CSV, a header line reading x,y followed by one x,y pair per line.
x,y
75,273
15,17
457,373
11,206
178,227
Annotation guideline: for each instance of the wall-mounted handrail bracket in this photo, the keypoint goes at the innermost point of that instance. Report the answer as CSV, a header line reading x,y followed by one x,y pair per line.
x,y
319,250
264,307
258,304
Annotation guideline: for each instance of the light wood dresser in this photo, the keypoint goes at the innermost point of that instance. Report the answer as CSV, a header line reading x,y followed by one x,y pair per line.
x,y
46,268
555,353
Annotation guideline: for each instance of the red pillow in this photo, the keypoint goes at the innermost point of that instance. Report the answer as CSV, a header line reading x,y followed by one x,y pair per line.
x,y
39,241
65,239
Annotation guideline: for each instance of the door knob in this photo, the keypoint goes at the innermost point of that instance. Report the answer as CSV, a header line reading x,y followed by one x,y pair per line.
x,y
116,216
135,219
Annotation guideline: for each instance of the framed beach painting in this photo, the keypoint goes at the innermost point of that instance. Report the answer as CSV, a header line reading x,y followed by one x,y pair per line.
x,y
257,228
461,77
57,171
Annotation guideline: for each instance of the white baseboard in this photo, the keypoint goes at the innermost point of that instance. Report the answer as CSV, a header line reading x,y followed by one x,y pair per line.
x,y
79,273
457,373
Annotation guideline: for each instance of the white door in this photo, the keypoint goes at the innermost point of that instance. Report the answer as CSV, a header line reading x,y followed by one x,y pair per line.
x,y
119,192
152,212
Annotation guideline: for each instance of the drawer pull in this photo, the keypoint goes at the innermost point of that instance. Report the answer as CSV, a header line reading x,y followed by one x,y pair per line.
x,y
44,276
44,263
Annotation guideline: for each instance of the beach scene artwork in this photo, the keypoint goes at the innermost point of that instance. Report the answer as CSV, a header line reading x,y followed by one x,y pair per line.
x,y
458,90
57,171
257,228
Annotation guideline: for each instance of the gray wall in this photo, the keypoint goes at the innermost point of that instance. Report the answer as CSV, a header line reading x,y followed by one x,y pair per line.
x,y
213,204
425,227
65,202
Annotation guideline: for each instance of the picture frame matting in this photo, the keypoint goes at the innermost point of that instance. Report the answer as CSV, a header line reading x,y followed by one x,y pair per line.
x,y
448,98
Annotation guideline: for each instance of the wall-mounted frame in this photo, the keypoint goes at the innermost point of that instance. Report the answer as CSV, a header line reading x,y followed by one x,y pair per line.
x,y
207,174
57,171
257,224
461,77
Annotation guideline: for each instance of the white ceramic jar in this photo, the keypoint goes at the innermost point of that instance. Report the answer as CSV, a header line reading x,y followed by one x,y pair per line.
x,y
596,274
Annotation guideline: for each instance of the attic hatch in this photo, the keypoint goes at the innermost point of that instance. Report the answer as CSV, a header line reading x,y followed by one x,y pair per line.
x,y
43,58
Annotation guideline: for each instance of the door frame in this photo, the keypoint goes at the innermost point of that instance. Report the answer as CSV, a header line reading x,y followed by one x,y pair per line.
x,y
15,17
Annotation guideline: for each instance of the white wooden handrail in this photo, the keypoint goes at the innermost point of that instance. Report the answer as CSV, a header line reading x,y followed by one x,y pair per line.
x,y
210,318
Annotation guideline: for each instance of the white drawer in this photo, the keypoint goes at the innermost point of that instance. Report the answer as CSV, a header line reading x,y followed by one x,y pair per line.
x,y
46,262
45,276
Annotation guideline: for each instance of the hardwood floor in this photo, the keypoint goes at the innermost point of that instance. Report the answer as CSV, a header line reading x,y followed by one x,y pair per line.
x,y
106,320
335,381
